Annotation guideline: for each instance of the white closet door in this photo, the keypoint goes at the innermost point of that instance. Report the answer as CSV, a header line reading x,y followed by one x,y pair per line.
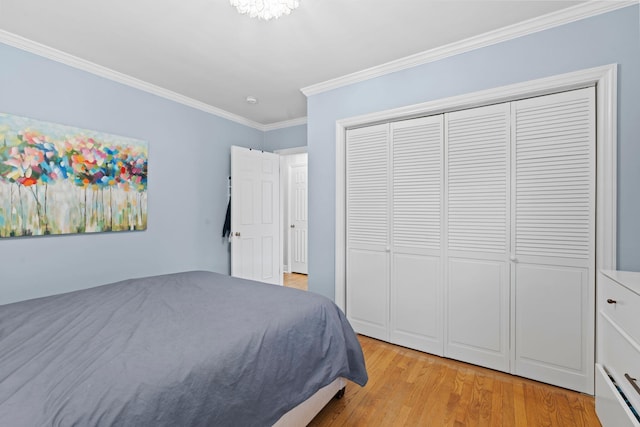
x,y
554,238
417,180
368,201
477,224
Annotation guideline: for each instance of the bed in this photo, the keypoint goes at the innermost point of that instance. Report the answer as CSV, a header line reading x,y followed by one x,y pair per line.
x,y
186,349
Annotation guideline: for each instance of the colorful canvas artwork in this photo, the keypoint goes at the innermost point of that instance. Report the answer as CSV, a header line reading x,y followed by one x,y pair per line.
x,y
57,179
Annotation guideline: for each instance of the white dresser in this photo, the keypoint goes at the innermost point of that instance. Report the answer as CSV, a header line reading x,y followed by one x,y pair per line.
x,y
618,349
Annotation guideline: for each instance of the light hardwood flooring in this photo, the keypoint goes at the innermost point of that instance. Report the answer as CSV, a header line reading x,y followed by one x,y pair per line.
x,y
295,280
411,388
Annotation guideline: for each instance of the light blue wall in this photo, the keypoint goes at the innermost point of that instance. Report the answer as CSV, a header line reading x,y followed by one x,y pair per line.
x,y
609,38
187,191
290,137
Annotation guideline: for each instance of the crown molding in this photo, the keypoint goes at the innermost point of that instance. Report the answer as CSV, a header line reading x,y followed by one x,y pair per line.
x,y
554,19
284,124
564,16
39,49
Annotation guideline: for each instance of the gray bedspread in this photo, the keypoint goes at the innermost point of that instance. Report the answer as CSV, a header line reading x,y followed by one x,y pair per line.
x,y
187,349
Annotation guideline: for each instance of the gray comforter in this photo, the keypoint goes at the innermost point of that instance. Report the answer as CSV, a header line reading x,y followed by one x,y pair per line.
x,y
186,349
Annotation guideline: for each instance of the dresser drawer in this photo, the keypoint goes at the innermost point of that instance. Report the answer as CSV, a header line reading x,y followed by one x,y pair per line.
x,y
610,406
621,305
621,358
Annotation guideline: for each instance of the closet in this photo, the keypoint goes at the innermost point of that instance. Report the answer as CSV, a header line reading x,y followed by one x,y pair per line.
x,y
471,234
394,195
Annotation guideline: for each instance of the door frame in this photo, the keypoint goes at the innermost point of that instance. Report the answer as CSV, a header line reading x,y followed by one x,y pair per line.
x,y
284,189
604,78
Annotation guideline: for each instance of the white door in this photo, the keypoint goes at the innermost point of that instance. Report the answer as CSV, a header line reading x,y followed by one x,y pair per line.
x,y
416,249
477,224
298,217
367,200
255,215
553,238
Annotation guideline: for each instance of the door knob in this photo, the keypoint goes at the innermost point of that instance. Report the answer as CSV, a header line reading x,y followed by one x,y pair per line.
x,y
513,258
237,234
292,226
611,301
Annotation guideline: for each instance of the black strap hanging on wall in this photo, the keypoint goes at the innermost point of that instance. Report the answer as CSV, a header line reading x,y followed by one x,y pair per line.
x,y
226,228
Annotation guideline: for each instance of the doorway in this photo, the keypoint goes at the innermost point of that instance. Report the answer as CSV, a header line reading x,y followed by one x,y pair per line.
x,y
294,188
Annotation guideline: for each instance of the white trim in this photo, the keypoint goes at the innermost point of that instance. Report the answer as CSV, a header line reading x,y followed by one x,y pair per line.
x,y
554,19
282,174
289,151
605,80
340,294
284,124
107,73
607,169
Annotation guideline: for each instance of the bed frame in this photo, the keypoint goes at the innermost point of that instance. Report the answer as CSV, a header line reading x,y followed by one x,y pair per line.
x,y
302,414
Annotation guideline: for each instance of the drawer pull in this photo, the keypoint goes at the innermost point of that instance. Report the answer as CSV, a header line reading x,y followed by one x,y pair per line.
x,y
633,382
611,301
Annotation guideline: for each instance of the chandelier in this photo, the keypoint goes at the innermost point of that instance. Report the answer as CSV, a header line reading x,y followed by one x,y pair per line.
x,y
265,9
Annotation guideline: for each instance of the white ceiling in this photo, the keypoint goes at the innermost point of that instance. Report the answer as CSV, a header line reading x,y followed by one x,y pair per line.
x,y
205,50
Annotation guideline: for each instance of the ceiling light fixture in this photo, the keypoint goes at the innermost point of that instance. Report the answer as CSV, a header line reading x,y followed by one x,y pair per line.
x,y
265,9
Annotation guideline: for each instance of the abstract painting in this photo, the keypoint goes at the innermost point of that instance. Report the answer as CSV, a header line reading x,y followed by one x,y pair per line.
x,y
57,179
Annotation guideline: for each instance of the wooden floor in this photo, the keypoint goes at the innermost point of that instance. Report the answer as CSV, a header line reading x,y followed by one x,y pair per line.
x,y
411,388
295,280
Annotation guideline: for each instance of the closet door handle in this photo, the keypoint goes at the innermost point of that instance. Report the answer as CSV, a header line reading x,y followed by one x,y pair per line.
x,y
611,301
633,382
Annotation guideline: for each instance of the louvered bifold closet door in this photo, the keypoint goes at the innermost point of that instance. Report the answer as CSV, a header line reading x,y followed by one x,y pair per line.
x,y
416,217
367,203
554,238
477,227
